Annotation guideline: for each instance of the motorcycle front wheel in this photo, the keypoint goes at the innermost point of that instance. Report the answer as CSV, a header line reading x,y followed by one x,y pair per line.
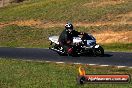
x,y
99,51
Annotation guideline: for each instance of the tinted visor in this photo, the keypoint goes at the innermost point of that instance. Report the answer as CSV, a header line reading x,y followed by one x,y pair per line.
x,y
70,30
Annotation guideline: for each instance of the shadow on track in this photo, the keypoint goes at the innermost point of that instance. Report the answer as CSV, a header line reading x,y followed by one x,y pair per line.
x,y
107,55
91,55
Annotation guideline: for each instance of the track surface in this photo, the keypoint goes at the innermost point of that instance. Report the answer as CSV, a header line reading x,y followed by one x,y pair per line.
x,y
110,58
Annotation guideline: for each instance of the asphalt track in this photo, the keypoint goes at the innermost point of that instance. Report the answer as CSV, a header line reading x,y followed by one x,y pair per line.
x,y
110,58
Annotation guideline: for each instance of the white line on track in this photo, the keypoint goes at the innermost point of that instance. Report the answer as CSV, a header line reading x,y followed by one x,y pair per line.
x,y
47,61
77,63
121,66
92,64
60,62
104,65
130,67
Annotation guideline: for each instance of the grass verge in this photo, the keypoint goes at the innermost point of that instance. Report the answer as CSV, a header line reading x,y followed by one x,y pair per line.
x,y
25,74
61,10
120,47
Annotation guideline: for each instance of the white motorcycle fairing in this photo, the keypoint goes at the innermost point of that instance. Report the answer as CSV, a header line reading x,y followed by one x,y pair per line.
x,y
77,40
54,39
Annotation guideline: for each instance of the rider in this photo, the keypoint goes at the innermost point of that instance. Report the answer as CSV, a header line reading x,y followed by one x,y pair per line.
x,y
66,37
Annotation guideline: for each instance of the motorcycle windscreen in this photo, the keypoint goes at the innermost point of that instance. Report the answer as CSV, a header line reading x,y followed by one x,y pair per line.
x,y
91,42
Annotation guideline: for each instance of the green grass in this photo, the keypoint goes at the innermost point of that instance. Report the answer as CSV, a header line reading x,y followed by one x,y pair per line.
x,y
114,28
25,36
118,47
25,74
62,10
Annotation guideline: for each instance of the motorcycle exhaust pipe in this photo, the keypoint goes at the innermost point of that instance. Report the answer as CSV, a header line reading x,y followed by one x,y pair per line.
x,y
57,50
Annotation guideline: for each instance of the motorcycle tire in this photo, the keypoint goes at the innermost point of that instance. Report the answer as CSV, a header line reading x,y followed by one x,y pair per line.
x,y
98,51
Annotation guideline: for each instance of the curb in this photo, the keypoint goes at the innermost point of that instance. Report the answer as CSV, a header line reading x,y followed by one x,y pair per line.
x,y
60,62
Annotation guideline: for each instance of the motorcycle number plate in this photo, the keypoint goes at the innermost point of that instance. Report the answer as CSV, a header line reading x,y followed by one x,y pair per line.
x,y
97,46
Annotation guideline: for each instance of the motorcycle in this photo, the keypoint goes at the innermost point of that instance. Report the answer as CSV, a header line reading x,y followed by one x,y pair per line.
x,y
82,45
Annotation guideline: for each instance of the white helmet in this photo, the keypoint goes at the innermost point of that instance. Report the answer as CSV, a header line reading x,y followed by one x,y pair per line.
x,y
69,27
